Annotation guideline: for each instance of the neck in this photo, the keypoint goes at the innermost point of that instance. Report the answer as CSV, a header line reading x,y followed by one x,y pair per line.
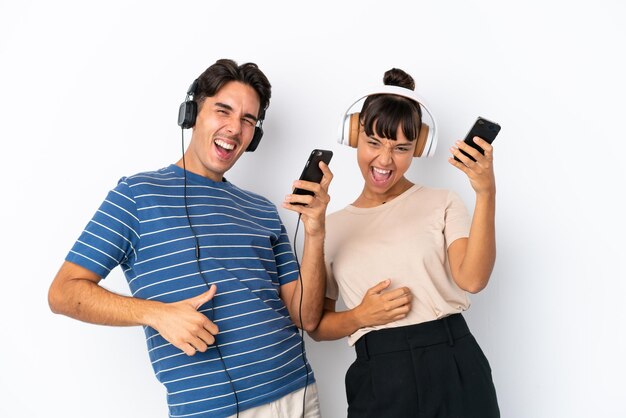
x,y
369,198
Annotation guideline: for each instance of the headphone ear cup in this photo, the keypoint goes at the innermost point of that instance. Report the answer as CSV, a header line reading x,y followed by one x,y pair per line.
x,y
187,113
353,132
423,137
256,138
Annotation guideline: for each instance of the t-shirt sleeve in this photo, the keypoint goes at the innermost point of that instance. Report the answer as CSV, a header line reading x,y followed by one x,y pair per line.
x,y
332,289
330,245
286,265
111,236
457,219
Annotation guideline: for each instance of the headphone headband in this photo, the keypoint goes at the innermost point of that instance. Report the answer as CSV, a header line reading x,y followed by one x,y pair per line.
x,y
431,141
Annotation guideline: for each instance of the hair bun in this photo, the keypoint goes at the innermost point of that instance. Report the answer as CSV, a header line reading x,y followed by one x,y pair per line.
x,y
397,77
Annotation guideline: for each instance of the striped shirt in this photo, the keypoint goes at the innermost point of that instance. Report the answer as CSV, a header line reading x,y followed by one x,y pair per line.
x,y
244,251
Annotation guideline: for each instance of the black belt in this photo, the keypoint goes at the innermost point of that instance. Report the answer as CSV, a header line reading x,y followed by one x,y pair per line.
x,y
388,340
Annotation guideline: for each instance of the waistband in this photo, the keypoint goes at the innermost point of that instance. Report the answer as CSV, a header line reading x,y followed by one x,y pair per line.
x,y
444,330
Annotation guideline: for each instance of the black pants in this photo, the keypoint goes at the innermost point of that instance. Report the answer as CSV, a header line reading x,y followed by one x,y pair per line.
x,y
430,370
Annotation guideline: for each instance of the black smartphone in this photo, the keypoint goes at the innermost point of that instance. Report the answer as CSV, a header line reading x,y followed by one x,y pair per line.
x,y
483,128
312,171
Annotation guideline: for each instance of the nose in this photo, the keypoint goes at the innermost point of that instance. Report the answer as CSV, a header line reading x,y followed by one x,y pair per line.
x,y
233,125
386,156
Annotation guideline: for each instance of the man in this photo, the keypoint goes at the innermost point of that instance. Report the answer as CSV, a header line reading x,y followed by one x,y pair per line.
x,y
213,278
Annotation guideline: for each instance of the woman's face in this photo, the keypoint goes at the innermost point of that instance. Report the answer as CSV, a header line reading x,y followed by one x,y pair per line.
x,y
383,161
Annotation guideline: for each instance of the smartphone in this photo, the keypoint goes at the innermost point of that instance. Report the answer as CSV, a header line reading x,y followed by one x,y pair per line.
x,y
312,171
483,128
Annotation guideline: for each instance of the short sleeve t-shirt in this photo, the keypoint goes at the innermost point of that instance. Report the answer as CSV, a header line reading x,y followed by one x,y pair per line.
x,y
405,240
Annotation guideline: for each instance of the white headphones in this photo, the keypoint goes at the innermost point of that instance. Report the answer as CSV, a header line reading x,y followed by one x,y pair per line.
x,y
426,138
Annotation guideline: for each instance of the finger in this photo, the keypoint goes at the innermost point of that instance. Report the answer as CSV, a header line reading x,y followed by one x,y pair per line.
x,y
458,164
398,293
379,287
460,158
187,349
486,146
198,344
310,186
469,150
296,202
400,316
211,327
328,175
401,306
203,298
206,336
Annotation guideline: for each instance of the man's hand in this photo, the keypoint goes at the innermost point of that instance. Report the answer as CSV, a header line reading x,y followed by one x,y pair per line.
x,y
181,324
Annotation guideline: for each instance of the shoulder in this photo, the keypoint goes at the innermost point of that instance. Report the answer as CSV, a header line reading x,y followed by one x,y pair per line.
x,y
439,196
338,219
146,182
162,175
337,215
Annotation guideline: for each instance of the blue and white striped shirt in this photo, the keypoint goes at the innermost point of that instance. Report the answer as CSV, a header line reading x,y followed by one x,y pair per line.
x,y
244,251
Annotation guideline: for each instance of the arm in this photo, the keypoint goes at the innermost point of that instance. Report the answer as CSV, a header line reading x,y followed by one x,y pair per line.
x,y
472,259
312,280
378,307
76,292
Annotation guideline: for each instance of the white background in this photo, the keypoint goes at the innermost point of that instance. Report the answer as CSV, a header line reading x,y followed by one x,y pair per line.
x,y
89,92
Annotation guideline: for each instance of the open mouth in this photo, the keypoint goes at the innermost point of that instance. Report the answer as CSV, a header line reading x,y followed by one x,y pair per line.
x,y
379,175
224,148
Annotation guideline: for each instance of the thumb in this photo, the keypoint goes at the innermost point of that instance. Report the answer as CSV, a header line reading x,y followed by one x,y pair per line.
x,y
203,298
380,286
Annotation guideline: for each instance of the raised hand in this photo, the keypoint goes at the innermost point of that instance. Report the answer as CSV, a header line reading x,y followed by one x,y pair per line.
x,y
313,208
479,172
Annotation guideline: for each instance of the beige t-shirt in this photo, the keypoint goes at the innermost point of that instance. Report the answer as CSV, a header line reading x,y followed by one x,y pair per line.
x,y
405,240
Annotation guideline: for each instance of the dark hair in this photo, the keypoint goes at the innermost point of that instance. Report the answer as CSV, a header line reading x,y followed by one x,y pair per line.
x,y
226,70
383,114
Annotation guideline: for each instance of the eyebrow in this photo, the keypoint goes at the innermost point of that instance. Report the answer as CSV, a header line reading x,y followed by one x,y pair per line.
x,y
230,108
397,142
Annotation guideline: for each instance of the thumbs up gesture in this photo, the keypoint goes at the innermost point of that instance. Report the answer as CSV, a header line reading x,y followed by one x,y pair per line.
x,y
181,324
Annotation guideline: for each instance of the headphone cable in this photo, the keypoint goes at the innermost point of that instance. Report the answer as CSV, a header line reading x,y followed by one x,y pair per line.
x,y
197,242
306,369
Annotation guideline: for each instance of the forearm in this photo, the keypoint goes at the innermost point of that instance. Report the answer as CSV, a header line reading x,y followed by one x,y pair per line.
x,y
89,302
480,254
336,325
312,285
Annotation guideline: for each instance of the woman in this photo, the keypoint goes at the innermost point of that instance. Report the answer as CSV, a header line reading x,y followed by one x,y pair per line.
x,y
403,257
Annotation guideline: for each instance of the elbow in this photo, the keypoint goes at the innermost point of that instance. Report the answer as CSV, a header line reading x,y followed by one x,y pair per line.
x,y
475,288
56,301
310,325
315,335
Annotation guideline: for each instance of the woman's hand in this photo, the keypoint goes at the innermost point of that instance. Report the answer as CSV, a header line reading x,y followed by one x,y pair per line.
x,y
380,306
479,172
312,208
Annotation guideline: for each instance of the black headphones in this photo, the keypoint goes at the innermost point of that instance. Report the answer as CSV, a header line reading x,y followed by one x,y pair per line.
x,y
188,111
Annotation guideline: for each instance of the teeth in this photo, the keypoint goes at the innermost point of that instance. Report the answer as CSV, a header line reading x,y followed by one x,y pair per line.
x,y
224,145
381,171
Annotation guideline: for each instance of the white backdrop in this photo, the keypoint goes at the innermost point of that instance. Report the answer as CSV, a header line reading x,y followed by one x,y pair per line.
x,y
89,92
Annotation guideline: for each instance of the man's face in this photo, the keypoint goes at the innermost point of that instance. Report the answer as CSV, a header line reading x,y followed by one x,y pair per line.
x,y
223,130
